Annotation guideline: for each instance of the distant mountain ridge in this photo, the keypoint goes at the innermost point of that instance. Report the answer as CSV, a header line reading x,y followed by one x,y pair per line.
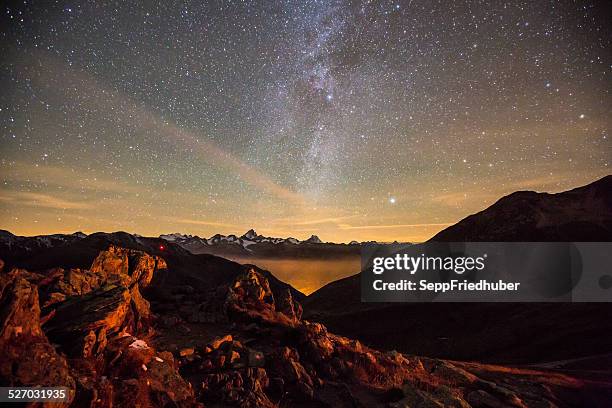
x,y
11,240
253,245
249,245
245,240
248,238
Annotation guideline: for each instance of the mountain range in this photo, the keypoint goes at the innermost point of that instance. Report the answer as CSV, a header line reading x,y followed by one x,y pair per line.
x,y
248,245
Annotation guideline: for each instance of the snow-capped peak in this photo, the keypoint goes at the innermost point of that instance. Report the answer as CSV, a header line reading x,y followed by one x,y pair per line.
x,y
314,240
175,237
250,234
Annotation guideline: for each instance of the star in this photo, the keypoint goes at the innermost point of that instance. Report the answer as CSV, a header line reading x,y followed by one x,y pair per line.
x,y
153,117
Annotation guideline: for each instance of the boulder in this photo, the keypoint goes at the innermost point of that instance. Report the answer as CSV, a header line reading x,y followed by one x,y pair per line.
x,y
289,306
26,356
139,376
252,288
79,323
126,266
101,301
217,342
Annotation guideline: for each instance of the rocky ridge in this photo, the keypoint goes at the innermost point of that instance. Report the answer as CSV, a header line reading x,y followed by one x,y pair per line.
x,y
113,335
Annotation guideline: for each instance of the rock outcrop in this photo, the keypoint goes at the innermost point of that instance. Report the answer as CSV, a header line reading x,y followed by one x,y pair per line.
x,y
26,356
89,315
110,300
270,357
238,344
288,306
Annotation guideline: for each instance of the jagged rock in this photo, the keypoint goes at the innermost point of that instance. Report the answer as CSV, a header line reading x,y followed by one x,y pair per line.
x,y
77,321
116,265
26,356
288,306
251,288
414,397
234,357
78,282
55,297
217,342
286,364
250,299
126,266
244,388
316,343
114,365
109,301
142,377
141,310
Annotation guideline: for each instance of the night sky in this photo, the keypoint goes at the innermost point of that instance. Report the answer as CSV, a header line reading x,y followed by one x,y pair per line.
x,y
349,120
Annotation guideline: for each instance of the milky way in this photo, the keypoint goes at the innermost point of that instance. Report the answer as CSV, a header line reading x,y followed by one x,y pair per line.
x,y
351,120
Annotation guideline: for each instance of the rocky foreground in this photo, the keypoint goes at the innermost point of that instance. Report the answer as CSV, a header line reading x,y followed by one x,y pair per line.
x,y
119,335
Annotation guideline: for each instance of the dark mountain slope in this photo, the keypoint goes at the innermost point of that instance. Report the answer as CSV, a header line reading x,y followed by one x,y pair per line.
x,y
521,333
583,214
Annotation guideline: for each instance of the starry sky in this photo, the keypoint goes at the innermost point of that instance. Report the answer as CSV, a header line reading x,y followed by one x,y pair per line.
x,y
351,120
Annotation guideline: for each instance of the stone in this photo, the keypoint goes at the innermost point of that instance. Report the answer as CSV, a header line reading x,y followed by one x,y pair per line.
x,y
26,356
251,287
77,321
288,306
217,342
187,351
55,297
234,357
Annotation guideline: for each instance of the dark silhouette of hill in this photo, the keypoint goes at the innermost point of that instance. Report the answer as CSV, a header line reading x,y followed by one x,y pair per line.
x,y
583,214
504,332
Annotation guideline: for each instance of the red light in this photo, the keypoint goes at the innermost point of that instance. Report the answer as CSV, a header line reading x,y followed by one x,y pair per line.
x,y
161,247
